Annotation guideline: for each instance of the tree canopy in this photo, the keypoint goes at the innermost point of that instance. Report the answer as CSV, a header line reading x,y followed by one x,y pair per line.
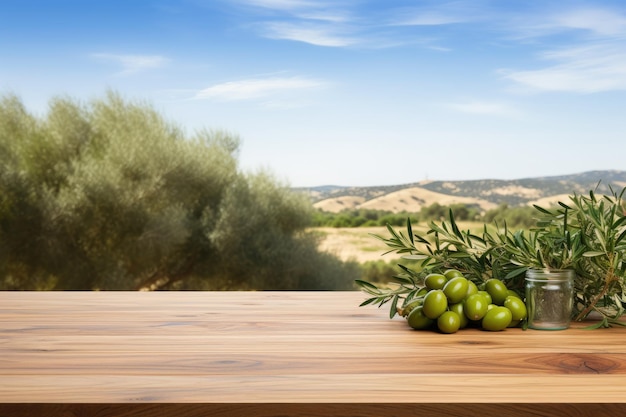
x,y
111,195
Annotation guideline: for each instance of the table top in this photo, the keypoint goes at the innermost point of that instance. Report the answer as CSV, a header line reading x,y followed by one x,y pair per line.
x,y
142,351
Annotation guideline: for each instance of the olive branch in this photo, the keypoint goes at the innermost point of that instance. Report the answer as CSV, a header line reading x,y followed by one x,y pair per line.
x,y
587,234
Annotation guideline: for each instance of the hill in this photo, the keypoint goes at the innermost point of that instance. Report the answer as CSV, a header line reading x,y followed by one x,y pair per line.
x,y
485,194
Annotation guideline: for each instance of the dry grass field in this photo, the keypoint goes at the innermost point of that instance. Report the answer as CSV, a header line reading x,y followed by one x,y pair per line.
x,y
359,244
354,243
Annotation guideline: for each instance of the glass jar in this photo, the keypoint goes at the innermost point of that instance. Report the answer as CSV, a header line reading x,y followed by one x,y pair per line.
x,y
549,298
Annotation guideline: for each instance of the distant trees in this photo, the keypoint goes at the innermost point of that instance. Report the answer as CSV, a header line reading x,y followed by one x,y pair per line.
x,y
360,217
521,217
110,195
518,216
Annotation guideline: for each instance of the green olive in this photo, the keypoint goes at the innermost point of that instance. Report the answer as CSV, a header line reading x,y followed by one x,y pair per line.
x,y
517,307
486,295
435,304
513,293
497,290
452,273
496,319
417,320
514,323
458,309
456,289
471,288
435,281
408,307
422,292
475,307
449,322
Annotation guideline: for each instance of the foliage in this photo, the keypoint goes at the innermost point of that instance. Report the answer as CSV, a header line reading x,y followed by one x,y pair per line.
x,y
111,196
359,218
587,235
377,271
523,216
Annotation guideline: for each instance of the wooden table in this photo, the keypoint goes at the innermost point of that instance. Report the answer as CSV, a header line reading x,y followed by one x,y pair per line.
x,y
189,354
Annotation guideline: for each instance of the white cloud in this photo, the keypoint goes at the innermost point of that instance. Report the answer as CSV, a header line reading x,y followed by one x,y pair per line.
x,y
320,35
252,89
594,61
342,23
429,19
443,13
132,63
334,17
303,9
314,22
591,22
282,4
599,21
486,108
586,69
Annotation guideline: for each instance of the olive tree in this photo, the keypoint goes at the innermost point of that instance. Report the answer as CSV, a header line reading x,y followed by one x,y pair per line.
x,y
110,195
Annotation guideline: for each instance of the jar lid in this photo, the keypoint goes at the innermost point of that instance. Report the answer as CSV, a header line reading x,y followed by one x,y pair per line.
x,y
550,274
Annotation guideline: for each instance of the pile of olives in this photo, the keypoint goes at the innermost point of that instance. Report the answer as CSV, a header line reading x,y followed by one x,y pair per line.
x,y
450,302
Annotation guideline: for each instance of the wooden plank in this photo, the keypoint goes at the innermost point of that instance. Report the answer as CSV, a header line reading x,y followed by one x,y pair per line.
x,y
311,388
159,363
296,353
312,410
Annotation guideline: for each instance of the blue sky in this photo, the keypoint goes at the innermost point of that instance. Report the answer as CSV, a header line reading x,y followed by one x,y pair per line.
x,y
347,92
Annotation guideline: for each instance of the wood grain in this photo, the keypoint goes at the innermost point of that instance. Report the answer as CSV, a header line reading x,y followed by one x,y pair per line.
x,y
286,353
